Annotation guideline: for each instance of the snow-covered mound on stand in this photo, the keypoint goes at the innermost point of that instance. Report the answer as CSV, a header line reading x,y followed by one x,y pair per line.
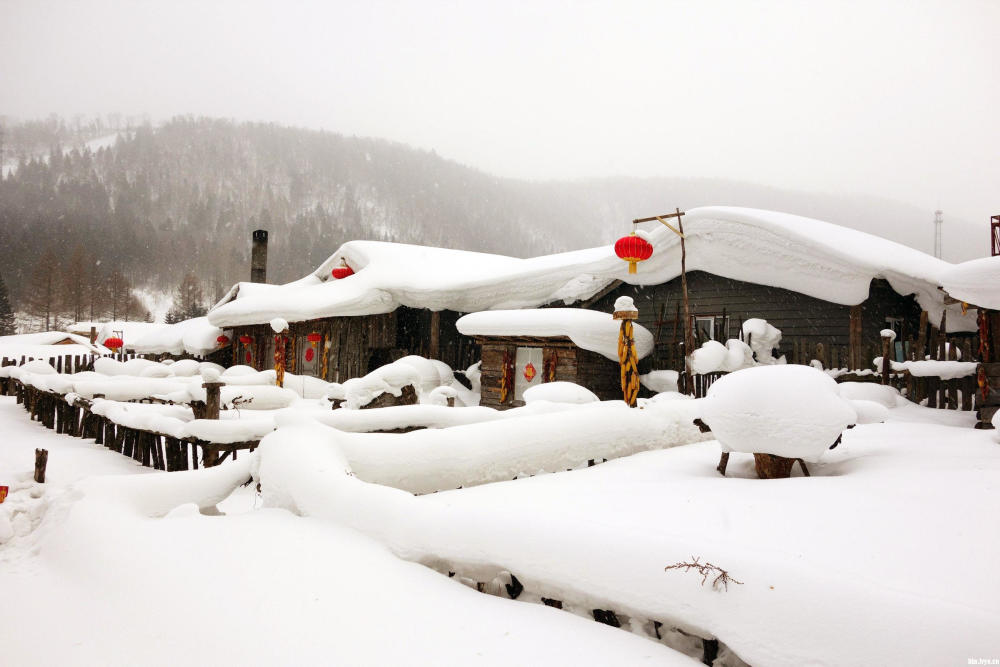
x,y
786,410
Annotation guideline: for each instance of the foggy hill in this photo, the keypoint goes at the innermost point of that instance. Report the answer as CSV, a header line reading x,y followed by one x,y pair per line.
x,y
185,196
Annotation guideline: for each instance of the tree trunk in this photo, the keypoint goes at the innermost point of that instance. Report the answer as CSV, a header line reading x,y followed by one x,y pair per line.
x,y
770,466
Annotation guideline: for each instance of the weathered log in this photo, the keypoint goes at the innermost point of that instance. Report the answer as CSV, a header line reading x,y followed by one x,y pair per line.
x,y
771,466
723,463
41,461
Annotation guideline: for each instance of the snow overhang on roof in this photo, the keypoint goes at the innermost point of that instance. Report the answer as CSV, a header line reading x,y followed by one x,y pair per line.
x,y
809,256
588,329
976,282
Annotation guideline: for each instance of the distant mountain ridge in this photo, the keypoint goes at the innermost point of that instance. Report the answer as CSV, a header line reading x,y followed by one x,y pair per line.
x,y
185,196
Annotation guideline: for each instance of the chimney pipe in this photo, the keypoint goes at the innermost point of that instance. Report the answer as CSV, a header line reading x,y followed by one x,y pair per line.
x,y
258,257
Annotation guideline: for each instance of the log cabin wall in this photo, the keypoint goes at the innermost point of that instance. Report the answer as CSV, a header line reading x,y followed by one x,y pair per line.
x,y
810,327
358,345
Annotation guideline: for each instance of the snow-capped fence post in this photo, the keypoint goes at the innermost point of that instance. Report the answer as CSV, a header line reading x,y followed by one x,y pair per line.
x,y
888,335
213,393
626,311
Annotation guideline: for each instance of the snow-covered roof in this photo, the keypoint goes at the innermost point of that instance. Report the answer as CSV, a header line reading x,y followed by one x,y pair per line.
x,y
195,336
47,344
976,282
809,256
588,329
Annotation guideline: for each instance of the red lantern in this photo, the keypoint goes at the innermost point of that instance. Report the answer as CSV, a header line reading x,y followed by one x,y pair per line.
x,y
342,271
314,338
113,343
633,249
246,340
222,340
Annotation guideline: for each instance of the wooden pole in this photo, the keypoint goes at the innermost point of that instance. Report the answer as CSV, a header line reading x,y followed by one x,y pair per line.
x,y
886,344
41,460
213,395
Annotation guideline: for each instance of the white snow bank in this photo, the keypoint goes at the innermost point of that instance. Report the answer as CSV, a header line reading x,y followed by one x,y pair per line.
x,y
588,329
788,410
47,344
559,392
433,460
870,391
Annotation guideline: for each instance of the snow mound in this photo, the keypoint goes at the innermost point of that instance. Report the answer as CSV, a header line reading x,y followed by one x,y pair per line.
x,y
786,410
974,282
559,392
869,391
714,357
869,412
762,338
423,374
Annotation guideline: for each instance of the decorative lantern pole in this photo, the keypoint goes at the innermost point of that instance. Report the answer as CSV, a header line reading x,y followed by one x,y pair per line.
x,y
626,311
688,331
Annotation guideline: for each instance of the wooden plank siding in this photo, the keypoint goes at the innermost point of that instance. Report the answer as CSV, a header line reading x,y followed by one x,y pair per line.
x,y
804,321
359,345
572,364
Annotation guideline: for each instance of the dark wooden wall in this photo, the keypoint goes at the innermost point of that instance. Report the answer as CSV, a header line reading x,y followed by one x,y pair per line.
x,y
359,345
804,321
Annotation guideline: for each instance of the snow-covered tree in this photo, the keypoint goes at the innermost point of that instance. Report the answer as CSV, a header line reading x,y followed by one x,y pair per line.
x,y
8,325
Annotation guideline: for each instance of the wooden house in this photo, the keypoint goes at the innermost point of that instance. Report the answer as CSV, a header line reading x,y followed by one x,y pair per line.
x,y
525,348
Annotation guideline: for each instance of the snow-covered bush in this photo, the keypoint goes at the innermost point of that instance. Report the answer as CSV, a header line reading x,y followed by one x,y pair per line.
x,y
714,357
788,411
660,381
763,339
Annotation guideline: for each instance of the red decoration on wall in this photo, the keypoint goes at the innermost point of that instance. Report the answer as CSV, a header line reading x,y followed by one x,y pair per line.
x,y
310,354
222,340
246,340
113,343
249,358
633,249
529,372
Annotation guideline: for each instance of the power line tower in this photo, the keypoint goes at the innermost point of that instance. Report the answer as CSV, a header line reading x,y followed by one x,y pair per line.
x,y
938,224
995,235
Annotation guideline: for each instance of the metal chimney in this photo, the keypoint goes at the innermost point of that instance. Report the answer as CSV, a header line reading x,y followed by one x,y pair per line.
x,y
938,224
258,257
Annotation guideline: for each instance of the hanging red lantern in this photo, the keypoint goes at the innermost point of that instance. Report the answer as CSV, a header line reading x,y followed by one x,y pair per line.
x,y
113,343
246,340
314,338
222,340
342,271
633,249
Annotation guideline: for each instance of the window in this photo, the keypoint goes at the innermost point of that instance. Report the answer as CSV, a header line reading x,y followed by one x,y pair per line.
x,y
704,329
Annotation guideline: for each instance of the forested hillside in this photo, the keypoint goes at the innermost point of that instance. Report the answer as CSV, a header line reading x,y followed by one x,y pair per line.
x,y
149,205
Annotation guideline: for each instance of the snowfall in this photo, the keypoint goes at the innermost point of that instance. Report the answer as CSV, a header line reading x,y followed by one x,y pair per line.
x,y
336,542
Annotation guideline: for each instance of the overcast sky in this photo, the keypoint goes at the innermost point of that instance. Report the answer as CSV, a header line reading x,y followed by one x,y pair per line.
x,y
898,99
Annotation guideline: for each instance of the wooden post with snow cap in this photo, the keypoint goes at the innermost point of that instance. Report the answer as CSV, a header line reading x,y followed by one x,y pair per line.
x,y
280,328
626,311
888,335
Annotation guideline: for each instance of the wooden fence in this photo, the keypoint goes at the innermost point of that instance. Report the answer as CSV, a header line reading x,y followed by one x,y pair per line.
x,y
68,363
148,448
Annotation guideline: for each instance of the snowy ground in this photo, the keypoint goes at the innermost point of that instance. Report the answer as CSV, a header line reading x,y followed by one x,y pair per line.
x,y
885,555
